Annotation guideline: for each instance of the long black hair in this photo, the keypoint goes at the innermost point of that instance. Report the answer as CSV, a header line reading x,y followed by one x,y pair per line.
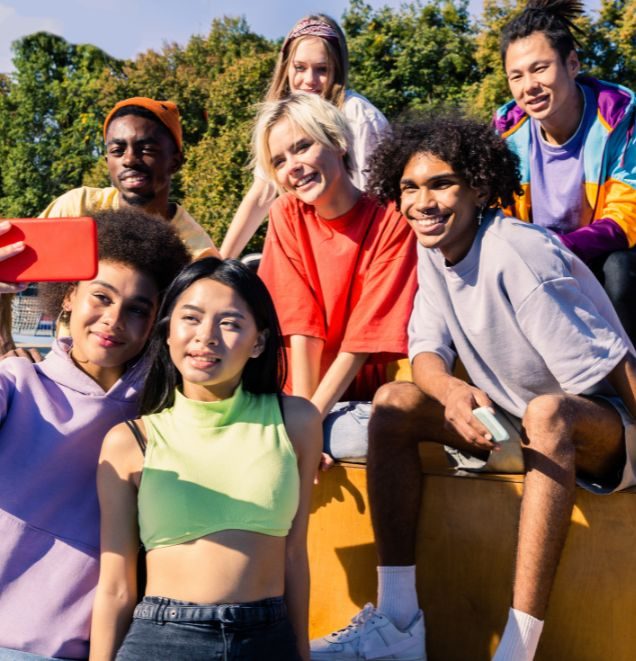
x,y
554,18
264,374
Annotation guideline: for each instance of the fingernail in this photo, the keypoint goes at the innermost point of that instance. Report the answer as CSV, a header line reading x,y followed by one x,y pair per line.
x,y
4,225
488,437
19,245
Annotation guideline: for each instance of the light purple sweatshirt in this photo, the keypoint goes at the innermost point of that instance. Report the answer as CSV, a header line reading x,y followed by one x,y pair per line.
x,y
54,418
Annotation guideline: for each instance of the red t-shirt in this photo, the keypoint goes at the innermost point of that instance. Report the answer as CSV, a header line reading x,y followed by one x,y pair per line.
x,y
349,281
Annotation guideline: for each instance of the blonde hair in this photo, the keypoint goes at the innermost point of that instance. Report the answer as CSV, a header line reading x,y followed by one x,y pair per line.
x,y
316,117
337,60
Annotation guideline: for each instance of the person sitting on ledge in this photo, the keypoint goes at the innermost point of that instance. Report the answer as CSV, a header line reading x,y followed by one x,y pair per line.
x,y
545,354
577,144
339,265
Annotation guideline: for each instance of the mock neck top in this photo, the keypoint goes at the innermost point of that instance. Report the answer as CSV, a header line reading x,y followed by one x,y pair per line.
x,y
213,466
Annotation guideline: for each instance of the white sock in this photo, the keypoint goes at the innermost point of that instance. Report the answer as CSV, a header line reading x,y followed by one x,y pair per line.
x,y
520,637
397,596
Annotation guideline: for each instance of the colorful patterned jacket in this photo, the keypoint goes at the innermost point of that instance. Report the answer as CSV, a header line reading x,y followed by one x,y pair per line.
x,y
610,169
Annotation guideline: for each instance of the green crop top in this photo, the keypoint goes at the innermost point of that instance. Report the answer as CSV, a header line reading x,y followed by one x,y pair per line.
x,y
213,466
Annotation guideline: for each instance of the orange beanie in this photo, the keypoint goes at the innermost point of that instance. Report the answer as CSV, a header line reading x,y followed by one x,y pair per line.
x,y
165,111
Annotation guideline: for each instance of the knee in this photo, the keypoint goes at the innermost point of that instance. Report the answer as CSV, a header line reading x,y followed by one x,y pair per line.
x,y
397,397
547,422
393,422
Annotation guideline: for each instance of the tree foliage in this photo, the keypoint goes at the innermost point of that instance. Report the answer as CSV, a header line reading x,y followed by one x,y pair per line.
x,y
421,54
49,122
612,42
417,56
216,174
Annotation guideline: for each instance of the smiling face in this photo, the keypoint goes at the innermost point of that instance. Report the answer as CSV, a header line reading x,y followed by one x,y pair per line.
x,y
141,159
542,84
111,318
211,337
310,69
314,173
440,207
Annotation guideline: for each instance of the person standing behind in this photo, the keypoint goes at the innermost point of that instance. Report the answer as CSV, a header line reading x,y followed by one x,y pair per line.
x,y
144,150
314,58
576,139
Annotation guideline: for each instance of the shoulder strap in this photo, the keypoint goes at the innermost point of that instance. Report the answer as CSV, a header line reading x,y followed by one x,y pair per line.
x,y
139,437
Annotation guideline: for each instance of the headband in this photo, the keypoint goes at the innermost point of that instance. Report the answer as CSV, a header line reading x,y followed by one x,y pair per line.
x,y
310,28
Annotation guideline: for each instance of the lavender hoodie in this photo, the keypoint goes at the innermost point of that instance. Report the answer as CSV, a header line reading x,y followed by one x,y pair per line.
x,y
53,420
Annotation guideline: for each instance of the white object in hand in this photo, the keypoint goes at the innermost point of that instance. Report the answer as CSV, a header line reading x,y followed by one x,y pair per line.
x,y
489,420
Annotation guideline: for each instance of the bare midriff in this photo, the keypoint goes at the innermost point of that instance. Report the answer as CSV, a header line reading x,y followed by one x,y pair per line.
x,y
231,566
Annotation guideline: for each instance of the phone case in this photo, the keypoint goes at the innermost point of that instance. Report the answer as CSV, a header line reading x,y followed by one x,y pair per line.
x,y
57,249
489,420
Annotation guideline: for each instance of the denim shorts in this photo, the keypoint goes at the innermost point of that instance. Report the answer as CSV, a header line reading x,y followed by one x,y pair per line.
x,y
171,630
16,655
510,457
345,430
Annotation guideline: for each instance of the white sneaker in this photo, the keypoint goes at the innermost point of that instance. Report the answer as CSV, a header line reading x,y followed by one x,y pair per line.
x,y
372,636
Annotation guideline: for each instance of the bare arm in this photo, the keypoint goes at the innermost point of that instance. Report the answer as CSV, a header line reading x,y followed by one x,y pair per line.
x,y
248,217
457,397
623,380
303,425
119,467
337,379
305,364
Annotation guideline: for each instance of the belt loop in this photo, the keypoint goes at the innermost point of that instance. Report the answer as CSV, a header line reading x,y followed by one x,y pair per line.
x,y
161,609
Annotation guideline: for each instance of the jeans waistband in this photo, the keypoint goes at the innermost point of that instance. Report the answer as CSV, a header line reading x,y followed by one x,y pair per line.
x,y
162,609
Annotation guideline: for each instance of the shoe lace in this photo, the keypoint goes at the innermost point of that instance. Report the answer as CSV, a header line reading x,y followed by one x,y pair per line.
x,y
359,622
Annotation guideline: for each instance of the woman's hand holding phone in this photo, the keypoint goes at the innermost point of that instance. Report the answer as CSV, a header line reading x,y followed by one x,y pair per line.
x,y
7,252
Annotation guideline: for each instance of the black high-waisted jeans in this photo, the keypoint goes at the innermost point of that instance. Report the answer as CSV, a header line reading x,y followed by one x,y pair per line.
x,y
171,630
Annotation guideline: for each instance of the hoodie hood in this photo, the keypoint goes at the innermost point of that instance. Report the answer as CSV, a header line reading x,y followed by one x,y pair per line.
x,y
59,367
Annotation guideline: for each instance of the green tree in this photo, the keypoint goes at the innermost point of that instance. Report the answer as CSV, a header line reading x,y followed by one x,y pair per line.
x,y
612,43
192,76
49,125
216,174
492,89
419,55
416,56
184,74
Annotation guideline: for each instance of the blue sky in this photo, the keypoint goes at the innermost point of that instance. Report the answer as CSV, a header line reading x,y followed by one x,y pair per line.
x,y
125,28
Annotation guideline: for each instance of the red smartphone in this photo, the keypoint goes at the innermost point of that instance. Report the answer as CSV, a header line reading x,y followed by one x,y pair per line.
x,y
56,249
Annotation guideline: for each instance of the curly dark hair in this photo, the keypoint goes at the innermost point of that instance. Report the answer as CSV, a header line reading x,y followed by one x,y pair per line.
x,y
554,18
470,146
132,237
